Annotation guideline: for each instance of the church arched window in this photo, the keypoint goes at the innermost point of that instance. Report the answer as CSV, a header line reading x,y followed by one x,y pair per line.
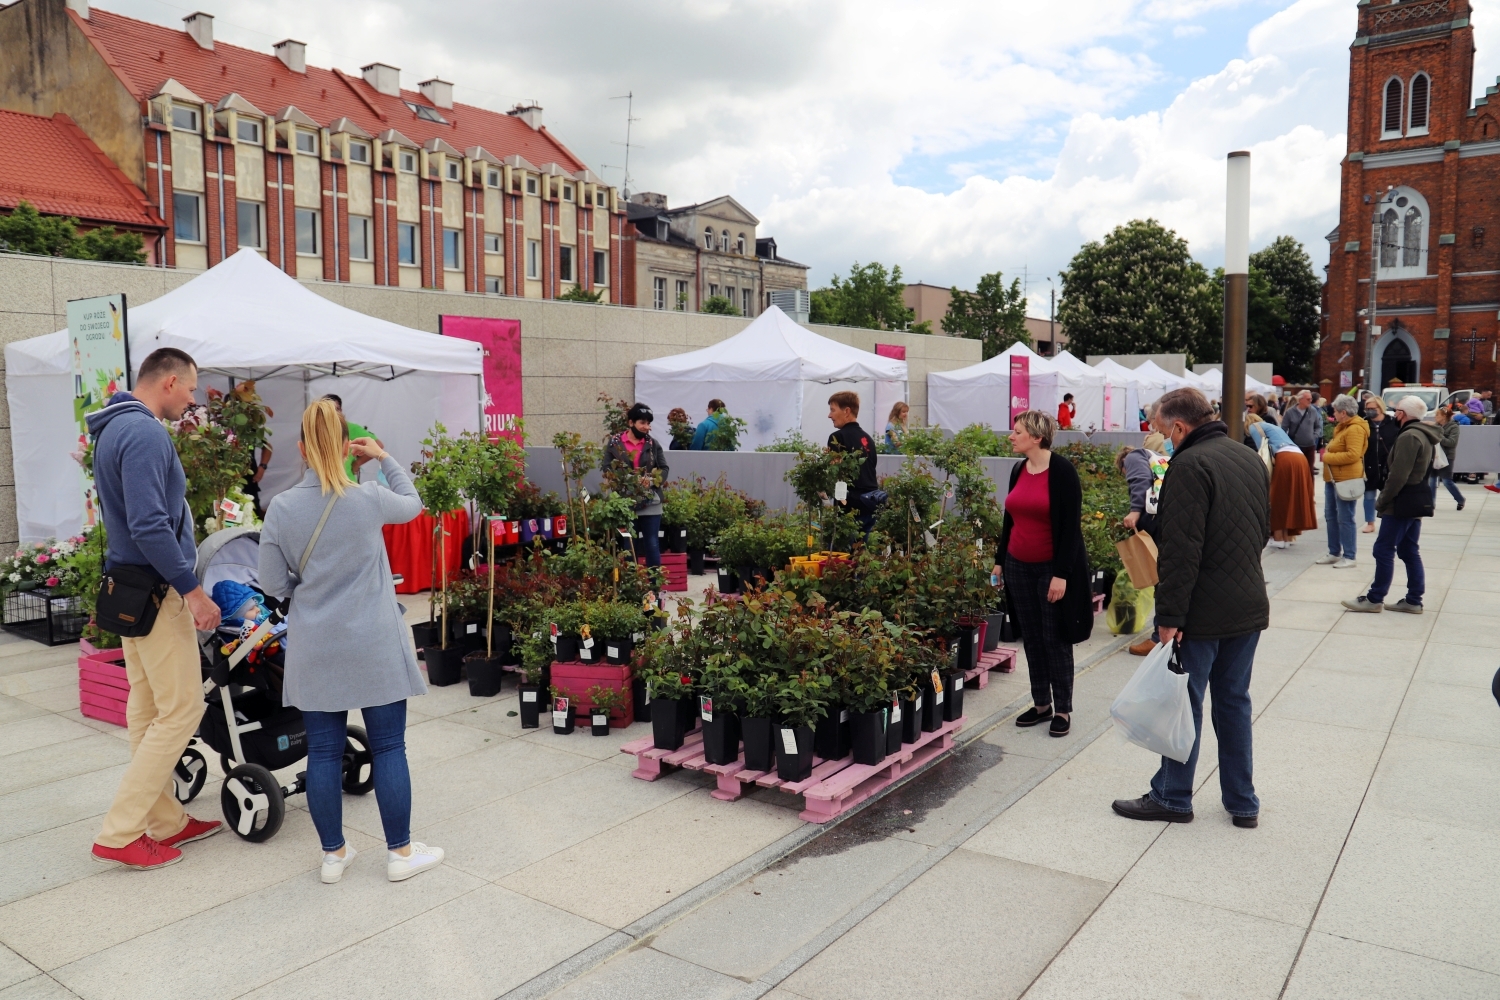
x,y
1421,100
1411,237
1390,224
1391,126
1404,225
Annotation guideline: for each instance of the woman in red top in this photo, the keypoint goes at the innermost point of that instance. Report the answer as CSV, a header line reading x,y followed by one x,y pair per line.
x,y
1043,562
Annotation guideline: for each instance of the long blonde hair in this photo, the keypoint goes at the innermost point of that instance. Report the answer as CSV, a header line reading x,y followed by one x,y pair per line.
x,y
325,438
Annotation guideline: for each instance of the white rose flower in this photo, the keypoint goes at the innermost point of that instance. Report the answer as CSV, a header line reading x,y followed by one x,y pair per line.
x,y
15,578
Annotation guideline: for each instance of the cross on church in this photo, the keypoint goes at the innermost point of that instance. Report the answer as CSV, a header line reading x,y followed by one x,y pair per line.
x,y
1473,340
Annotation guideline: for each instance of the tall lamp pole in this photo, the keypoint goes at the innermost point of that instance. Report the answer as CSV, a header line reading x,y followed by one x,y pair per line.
x,y
1236,291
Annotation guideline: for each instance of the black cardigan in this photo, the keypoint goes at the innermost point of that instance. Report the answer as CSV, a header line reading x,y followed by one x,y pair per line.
x,y
1065,502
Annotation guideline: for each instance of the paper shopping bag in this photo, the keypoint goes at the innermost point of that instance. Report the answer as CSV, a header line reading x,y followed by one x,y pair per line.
x,y
1138,553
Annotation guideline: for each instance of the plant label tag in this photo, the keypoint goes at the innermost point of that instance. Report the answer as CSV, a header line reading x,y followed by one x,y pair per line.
x,y
917,706
528,696
560,719
624,532
588,644
937,688
811,541
600,720
585,496
930,539
706,707
547,524
789,742
612,651
895,714
471,628
840,491
958,683
232,512
560,705
638,637
844,715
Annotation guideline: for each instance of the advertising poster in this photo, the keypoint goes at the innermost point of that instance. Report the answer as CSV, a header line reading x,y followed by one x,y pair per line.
x,y
1020,386
894,351
501,339
1346,380
97,332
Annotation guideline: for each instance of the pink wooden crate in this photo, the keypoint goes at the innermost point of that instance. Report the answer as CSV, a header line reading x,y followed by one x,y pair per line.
x,y
575,679
103,688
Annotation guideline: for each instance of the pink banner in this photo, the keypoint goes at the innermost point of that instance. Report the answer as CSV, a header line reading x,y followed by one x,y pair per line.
x,y
502,368
1020,386
896,351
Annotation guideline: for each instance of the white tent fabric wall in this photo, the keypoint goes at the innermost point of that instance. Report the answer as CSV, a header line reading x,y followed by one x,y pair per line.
x,y
1114,404
244,319
776,376
1159,377
1137,390
980,394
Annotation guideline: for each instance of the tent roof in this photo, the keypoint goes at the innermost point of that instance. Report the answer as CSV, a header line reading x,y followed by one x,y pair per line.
x,y
772,348
1214,377
1071,363
1131,376
247,319
1152,370
998,368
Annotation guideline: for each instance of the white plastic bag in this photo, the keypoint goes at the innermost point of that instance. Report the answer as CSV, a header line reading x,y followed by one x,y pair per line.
x,y
1154,711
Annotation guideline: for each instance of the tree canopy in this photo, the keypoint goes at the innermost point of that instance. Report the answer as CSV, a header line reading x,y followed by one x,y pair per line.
x,y
993,313
870,297
1289,275
28,231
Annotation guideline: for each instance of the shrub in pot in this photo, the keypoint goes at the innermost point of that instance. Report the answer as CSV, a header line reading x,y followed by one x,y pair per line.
x,y
717,713
426,634
536,654
565,621
802,699
893,719
667,662
485,674
615,625
758,726
562,712
605,703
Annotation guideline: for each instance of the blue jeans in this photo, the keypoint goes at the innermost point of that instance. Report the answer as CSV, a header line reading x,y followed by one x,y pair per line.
x,y
1370,496
1399,536
1339,516
1223,666
647,544
1432,484
386,725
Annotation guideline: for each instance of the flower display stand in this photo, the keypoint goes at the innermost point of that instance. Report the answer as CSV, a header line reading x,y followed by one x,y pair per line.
x,y
674,568
103,689
1001,658
575,679
833,788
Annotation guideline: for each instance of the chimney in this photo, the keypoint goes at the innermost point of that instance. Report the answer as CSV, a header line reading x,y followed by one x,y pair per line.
x,y
386,79
530,113
79,7
439,92
292,53
201,27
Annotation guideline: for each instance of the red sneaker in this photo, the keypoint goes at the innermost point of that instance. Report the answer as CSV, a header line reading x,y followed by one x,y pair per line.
x,y
142,853
196,829
1492,487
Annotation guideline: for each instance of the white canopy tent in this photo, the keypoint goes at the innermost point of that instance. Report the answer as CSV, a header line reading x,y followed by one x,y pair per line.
x,y
245,319
980,394
777,377
1106,407
1141,390
1215,378
1159,375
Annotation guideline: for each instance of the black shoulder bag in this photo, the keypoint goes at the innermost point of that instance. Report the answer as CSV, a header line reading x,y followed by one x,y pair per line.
x,y
129,598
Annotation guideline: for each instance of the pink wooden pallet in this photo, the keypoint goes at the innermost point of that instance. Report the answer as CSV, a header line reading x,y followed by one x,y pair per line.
x,y
1098,603
833,787
1001,658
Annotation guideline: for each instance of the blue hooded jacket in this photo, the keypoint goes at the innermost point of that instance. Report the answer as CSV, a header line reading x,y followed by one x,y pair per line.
x,y
142,492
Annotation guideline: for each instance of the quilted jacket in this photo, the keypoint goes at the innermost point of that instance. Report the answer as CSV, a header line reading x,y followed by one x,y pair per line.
x,y
1213,522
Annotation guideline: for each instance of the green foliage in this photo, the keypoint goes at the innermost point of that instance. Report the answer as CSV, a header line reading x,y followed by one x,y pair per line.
x,y
814,476
725,435
606,701
214,441
768,543
438,474
994,314
706,509
1106,501
614,619
792,441
489,472
680,429
536,654
27,231
924,328
922,440
870,297
1290,276
916,500
719,305
984,442
615,410
580,294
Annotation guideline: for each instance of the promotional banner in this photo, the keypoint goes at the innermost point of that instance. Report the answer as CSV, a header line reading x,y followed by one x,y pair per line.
x,y
501,339
97,332
895,351
1020,386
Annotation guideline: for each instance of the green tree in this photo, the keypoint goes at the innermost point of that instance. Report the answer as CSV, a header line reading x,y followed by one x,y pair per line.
x,y
720,305
580,294
28,231
870,297
1138,291
993,314
1289,274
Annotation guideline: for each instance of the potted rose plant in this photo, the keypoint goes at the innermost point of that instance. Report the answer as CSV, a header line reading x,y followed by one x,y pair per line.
x,y
801,699
605,703
536,655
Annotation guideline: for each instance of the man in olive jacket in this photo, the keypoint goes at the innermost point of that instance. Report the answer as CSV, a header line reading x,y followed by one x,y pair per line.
x,y
1213,521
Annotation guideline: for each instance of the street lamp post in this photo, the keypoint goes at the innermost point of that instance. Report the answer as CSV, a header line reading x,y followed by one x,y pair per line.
x,y
1236,291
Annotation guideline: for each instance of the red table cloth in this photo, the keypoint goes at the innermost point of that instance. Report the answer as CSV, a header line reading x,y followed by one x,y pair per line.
x,y
409,547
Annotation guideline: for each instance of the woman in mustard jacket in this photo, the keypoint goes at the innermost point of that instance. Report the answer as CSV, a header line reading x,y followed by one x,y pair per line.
x,y
1343,460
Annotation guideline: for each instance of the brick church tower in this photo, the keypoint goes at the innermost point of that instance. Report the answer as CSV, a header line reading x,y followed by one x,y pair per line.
x,y
1417,197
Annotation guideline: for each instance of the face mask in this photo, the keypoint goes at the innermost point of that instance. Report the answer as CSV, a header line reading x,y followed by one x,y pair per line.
x,y
1171,449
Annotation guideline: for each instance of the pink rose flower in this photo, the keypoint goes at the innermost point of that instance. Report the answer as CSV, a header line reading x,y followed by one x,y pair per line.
x,y
53,581
41,560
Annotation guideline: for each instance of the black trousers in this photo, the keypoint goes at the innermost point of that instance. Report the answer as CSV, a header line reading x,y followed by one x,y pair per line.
x,y
1049,654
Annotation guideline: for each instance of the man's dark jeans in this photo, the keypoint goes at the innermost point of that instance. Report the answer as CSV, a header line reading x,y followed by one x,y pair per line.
x,y
648,544
1223,667
1399,536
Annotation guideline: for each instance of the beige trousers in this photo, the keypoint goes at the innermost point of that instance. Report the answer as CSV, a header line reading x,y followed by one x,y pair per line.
x,y
166,703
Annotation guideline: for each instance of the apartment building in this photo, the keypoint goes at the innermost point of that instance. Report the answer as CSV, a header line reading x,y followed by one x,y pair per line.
x,y
331,176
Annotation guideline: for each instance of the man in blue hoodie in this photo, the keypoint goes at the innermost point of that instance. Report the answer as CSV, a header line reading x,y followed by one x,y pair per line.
x,y
143,499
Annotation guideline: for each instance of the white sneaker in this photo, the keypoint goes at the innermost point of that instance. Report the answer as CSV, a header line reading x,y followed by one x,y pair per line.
x,y
333,865
1344,564
421,858
1327,560
1278,545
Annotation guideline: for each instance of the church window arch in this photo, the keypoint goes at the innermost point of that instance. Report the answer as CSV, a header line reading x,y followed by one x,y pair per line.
x,y
1391,121
1421,104
1405,226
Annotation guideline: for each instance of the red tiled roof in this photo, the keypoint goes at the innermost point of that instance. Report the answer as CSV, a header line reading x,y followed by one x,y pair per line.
x,y
53,165
144,55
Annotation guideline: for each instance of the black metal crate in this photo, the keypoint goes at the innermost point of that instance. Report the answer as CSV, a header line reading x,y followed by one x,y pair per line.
x,y
45,617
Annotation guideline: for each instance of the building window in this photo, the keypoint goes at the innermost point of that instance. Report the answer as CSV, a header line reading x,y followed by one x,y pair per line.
x,y
307,142
724,242
533,258
1392,122
1403,234
739,245
659,293
1421,99
713,290
491,242
406,242
565,263
746,299
682,295
455,170
359,238
247,130
492,284
247,217
492,178
567,192
187,222
408,162
708,237
359,152
531,185
599,198
452,242
601,267
307,231
184,119
1411,237
729,293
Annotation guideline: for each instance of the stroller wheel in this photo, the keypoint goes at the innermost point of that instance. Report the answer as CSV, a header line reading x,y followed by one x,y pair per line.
x,y
359,768
189,775
252,802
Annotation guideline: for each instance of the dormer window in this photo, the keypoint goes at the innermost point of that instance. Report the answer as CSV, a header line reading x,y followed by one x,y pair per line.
x,y
407,162
739,245
247,130
455,170
599,198
724,242
531,185
708,237
661,229
425,113
1391,123
184,119
567,192
1416,119
307,142
492,178
359,152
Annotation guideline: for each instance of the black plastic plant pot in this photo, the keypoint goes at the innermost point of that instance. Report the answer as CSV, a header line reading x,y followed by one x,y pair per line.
x,y
687,707
967,646
485,674
566,649
729,581
444,666
469,634
868,736
760,743
831,738
953,700
589,652
502,645
695,562
599,724
426,634
794,766
721,737
677,539
563,721
932,707
531,706
666,723
893,728
911,717
617,651
640,705
992,631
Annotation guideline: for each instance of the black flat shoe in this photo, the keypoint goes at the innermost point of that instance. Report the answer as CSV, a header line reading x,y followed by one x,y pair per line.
x,y
1032,716
1059,726
1149,809
1247,822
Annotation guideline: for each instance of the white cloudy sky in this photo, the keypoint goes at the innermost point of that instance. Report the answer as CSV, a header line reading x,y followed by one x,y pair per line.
x,y
951,138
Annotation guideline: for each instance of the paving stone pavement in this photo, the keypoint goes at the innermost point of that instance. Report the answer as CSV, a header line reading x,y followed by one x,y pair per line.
x,y
1000,872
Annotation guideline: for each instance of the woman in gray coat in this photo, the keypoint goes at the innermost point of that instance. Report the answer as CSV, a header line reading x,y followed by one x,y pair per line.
x,y
347,646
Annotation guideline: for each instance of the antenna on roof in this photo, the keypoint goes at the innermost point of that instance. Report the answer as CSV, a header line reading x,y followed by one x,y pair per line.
x,y
629,99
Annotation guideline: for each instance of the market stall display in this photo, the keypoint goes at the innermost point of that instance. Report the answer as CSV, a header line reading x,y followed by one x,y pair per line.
x,y
982,393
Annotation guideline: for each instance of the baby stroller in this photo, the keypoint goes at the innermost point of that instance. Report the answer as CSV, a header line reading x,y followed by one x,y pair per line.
x,y
245,722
